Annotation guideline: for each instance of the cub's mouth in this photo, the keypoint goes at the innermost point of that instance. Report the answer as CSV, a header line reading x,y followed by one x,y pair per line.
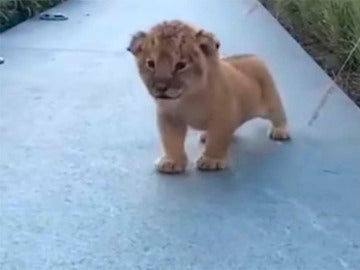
x,y
170,94
167,97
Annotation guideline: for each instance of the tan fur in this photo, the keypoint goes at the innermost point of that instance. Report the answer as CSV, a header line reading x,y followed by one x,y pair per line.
x,y
212,94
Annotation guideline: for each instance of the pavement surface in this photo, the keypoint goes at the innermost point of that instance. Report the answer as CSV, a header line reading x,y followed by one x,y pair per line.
x,y
78,141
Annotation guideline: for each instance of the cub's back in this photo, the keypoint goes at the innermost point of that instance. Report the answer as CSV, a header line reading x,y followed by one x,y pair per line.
x,y
248,64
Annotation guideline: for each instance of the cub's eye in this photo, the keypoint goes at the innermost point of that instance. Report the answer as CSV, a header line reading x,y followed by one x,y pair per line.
x,y
150,64
180,66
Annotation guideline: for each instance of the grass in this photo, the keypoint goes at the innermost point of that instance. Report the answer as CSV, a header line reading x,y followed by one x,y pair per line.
x,y
15,11
329,30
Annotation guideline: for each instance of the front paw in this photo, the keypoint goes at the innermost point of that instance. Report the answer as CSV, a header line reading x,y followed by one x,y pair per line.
x,y
205,163
170,166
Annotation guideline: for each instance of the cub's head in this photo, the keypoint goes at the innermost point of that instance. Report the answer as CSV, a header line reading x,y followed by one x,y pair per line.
x,y
173,58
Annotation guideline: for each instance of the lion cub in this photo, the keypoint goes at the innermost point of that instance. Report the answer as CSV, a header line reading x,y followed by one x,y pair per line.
x,y
193,86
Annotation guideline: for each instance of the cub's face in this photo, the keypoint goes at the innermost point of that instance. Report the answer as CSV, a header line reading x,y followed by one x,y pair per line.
x,y
173,58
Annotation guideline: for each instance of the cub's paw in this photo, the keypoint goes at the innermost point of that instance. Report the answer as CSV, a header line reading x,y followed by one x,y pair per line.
x,y
170,166
279,134
205,163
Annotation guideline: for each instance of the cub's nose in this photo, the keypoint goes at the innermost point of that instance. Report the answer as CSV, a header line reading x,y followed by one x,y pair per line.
x,y
162,88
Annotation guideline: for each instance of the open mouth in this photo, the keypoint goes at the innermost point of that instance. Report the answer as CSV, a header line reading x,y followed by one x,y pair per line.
x,y
165,97
169,94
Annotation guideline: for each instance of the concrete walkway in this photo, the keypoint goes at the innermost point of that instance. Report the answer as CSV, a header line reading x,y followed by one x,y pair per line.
x,y
78,140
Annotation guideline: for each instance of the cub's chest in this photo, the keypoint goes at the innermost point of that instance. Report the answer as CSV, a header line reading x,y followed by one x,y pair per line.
x,y
194,115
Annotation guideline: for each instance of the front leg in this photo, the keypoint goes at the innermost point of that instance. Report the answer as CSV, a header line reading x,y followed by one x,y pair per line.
x,y
216,148
172,132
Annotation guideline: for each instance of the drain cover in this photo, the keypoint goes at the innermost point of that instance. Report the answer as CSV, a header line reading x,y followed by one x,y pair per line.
x,y
53,17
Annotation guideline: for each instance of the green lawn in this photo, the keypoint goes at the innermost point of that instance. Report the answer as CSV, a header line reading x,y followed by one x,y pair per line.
x,y
329,30
15,11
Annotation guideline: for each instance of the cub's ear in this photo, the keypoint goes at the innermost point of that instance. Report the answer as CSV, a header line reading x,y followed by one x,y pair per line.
x,y
136,42
209,44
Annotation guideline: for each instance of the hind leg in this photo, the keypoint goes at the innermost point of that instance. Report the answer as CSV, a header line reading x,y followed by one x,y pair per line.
x,y
279,130
274,110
